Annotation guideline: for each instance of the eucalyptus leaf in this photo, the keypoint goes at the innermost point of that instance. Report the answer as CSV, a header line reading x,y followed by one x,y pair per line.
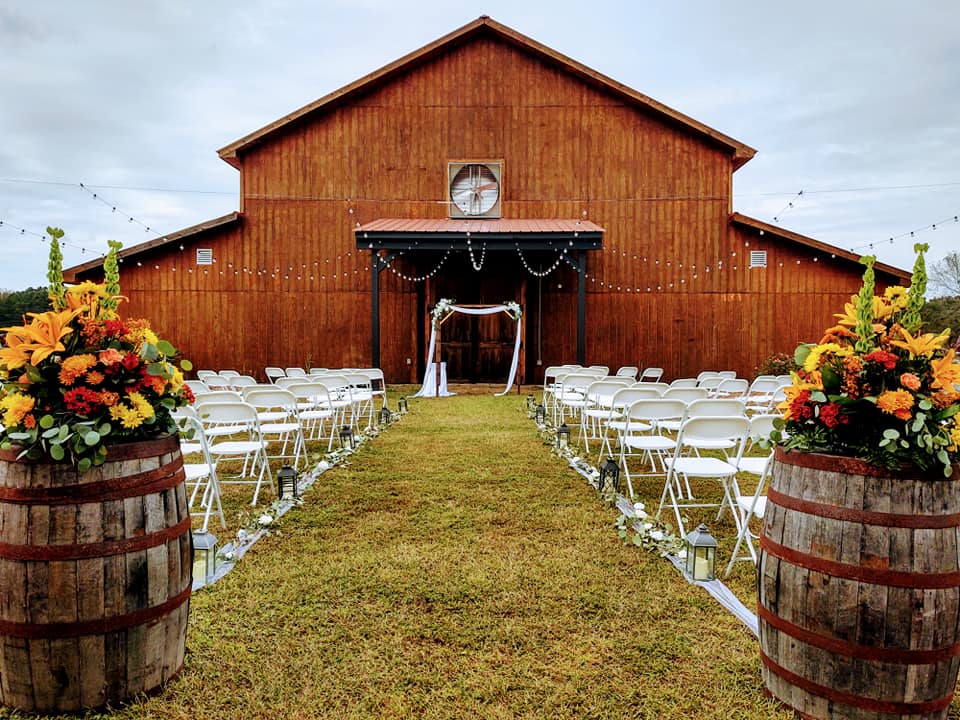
x,y
891,433
57,452
149,352
51,433
186,365
92,438
156,368
84,464
46,421
166,348
818,396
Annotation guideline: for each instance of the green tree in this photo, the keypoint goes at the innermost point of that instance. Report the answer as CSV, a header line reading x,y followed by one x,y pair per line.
x,y
14,305
940,313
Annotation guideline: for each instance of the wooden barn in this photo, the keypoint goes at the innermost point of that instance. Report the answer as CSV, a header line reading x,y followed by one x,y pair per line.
x,y
486,167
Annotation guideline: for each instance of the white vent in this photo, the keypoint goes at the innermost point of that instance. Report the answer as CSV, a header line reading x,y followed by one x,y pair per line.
x,y
758,258
204,256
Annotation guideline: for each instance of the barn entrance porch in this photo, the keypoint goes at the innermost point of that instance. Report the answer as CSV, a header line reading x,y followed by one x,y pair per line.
x,y
463,243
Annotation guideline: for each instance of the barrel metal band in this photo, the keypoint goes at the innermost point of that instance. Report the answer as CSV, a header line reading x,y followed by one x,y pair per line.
x,y
120,488
857,701
867,517
54,553
894,578
847,648
58,630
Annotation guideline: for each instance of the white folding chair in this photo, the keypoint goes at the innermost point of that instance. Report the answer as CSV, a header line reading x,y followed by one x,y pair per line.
x,y
229,373
272,373
279,420
361,392
295,372
203,475
597,410
753,505
760,394
196,386
732,388
650,374
643,436
698,434
629,371
571,397
683,383
616,421
204,374
244,444
314,408
378,385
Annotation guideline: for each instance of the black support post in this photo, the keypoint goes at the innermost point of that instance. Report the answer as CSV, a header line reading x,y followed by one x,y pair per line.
x,y
581,307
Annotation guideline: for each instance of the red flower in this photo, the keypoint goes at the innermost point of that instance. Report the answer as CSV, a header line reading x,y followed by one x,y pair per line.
x,y
831,417
82,400
887,359
130,361
800,408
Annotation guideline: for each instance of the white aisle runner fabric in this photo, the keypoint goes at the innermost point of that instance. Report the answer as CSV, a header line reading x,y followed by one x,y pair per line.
x,y
429,382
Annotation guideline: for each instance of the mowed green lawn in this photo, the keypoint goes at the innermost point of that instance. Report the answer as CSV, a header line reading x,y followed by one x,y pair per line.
x,y
456,569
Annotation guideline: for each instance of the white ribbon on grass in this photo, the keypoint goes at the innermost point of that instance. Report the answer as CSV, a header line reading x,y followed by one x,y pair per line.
x,y
493,309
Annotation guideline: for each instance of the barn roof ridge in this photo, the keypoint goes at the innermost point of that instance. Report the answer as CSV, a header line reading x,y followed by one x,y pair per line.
x,y
764,227
741,153
71,273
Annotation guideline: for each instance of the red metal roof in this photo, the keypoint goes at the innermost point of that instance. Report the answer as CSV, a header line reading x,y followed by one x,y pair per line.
x,y
503,225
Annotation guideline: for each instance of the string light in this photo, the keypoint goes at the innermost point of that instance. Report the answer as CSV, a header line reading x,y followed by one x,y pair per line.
x,y
789,206
541,273
421,278
910,233
483,253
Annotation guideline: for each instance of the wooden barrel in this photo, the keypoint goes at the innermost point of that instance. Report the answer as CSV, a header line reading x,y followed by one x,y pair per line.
x,y
859,589
95,577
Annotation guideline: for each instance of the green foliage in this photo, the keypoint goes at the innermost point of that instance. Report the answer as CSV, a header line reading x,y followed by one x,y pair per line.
x,y
111,269
864,329
777,364
14,305
55,270
916,295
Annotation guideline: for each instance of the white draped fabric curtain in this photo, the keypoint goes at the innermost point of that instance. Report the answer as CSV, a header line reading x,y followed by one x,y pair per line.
x,y
427,388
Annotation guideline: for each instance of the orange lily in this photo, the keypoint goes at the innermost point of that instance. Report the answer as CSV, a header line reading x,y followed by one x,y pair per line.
x,y
47,331
922,344
946,372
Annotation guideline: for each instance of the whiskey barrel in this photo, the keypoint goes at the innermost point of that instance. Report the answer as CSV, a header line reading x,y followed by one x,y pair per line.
x,y
95,577
859,589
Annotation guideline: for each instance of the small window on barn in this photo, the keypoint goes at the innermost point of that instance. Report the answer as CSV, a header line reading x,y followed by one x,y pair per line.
x,y
758,258
204,256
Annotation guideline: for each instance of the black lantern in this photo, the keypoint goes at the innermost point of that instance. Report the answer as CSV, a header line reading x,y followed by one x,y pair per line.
x,y
609,475
541,414
701,555
531,403
563,437
204,556
402,405
385,416
287,486
346,437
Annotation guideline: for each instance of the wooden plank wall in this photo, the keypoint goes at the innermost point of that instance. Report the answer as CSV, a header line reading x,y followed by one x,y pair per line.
x,y
670,288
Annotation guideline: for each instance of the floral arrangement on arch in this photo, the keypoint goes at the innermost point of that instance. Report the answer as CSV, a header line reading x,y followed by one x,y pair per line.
x,y
513,308
876,387
443,308
79,377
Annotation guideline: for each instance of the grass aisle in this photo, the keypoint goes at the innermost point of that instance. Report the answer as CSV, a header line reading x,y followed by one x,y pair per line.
x,y
456,569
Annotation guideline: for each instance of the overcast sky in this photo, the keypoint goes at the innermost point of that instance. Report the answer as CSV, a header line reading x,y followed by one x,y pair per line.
x,y
856,103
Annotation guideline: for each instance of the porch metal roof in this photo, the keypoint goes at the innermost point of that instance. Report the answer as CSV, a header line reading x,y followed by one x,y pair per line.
x,y
502,234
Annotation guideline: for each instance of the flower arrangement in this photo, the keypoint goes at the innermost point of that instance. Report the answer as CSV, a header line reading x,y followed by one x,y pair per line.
x,y
78,377
876,387
443,308
513,308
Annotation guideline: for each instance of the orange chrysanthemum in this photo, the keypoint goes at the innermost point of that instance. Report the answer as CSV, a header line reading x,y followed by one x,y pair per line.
x,y
75,366
896,403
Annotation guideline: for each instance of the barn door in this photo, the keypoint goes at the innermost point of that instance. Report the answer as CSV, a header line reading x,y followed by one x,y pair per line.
x,y
478,348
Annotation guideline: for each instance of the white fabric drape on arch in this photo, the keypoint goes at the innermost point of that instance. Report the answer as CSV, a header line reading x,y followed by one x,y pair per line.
x,y
422,392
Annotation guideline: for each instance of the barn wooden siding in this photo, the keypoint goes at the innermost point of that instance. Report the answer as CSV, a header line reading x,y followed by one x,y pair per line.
x,y
569,150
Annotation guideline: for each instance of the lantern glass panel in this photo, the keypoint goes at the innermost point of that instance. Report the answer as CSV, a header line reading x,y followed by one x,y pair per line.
x,y
701,554
563,437
610,474
541,414
287,483
204,556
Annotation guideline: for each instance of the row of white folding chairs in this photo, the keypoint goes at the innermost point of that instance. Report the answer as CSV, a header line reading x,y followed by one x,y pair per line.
x,y
378,383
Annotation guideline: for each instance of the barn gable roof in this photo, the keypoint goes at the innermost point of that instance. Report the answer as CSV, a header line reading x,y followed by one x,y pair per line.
x,y
74,273
482,26
745,221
